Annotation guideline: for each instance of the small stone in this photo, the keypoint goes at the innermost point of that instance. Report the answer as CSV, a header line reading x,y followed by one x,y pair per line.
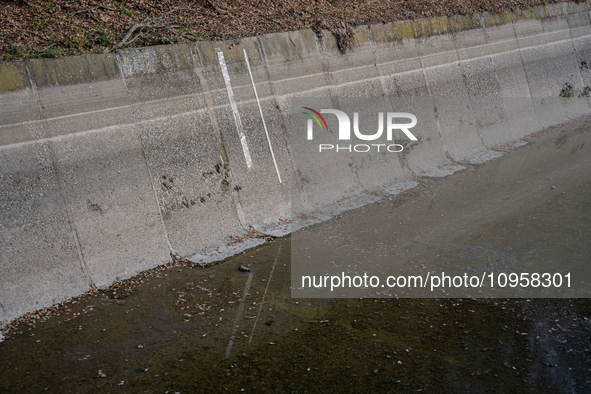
x,y
375,371
243,269
270,323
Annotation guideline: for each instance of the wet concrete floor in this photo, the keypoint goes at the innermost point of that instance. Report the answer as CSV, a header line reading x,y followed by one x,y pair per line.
x,y
218,329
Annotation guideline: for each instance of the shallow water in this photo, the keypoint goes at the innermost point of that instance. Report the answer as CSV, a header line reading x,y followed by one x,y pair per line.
x,y
218,329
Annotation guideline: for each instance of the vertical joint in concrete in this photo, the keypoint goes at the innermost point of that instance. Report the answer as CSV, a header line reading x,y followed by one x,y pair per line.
x,y
173,253
61,188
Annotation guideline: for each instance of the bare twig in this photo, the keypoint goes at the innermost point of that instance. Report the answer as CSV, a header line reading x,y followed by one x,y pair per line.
x,y
145,25
149,25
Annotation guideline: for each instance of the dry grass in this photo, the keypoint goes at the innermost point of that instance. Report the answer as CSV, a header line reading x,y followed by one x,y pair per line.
x,y
44,28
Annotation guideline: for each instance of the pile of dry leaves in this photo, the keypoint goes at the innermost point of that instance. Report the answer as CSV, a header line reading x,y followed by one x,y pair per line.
x,y
43,28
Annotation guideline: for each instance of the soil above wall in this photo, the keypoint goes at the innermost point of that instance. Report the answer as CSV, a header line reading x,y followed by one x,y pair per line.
x,y
31,29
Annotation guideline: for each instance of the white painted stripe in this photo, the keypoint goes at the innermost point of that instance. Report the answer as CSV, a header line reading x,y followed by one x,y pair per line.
x,y
246,151
238,315
241,135
261,111
264,295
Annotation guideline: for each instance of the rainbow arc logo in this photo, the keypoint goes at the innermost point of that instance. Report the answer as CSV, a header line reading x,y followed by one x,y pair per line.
x,y
316,117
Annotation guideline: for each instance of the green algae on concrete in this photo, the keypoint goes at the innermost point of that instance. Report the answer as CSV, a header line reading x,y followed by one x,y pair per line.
x,y
12,77
74,70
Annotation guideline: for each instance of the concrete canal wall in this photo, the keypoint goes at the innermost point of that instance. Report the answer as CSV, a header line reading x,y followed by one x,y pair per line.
x,y
110,163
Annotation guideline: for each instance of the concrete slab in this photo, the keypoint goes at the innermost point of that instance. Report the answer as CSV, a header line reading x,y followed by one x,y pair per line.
x,y
80,93
513,82
313,188
21,114
181,150
561,45
454,111
293,59
257,190
376,168
111,202
161,81
39,249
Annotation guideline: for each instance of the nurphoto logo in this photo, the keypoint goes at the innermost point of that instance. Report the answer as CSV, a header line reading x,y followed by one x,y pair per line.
x,y
345,130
